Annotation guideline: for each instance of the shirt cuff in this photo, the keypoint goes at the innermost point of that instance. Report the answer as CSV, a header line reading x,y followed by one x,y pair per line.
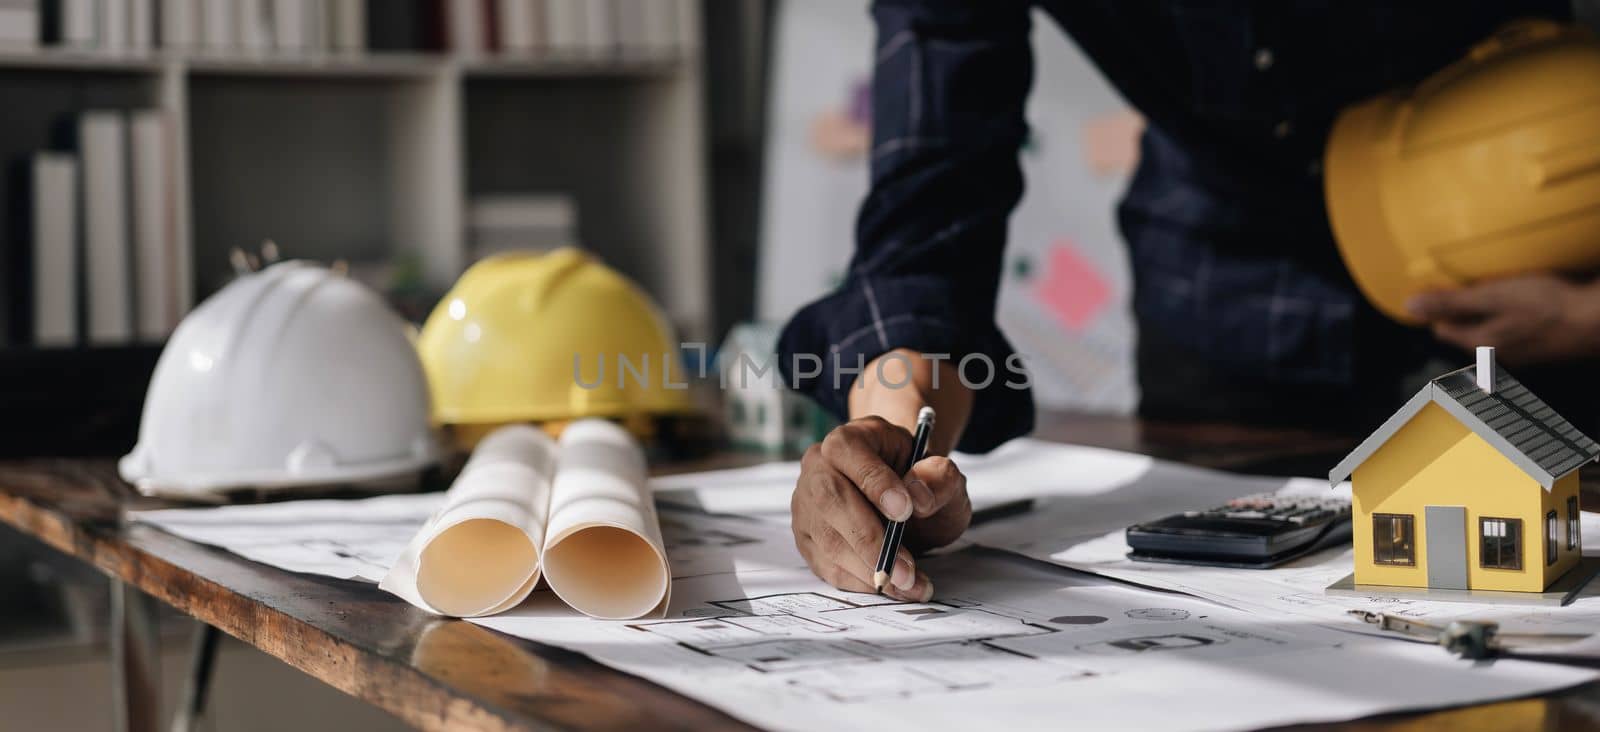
x,y
826,345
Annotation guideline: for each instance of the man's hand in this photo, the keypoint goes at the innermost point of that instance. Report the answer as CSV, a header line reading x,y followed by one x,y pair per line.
x,y
1531,319
848,485
851,482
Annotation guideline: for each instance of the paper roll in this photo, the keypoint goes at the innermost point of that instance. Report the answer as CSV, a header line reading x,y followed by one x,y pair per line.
x,y
603,552
480,554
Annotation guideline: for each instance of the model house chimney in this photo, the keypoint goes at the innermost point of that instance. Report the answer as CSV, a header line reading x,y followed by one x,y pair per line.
x,y
1486,369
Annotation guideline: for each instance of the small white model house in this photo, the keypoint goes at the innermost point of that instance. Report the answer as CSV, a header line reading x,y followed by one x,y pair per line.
x,y
760,413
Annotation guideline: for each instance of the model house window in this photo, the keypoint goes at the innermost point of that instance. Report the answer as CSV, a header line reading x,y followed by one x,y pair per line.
x,y
1501,546
1573,534
1552,543
1392,542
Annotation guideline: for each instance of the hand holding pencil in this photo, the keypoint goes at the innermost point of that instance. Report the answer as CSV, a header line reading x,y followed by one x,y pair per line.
x,y
856,480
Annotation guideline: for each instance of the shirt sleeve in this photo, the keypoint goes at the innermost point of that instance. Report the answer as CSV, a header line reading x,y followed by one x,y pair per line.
x,y
950,82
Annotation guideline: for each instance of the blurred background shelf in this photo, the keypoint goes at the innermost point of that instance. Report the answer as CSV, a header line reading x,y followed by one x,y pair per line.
x,y
374,155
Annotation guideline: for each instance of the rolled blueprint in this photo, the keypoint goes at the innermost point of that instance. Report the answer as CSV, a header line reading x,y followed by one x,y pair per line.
x,y
580,511
480,553
603,552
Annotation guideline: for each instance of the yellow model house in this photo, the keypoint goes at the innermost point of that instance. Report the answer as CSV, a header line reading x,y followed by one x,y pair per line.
x,y
1471,487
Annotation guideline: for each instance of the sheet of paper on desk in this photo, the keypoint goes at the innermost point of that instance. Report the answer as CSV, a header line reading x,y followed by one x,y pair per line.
x,y
343,539
1012,643
361,539
1293,592
1020,469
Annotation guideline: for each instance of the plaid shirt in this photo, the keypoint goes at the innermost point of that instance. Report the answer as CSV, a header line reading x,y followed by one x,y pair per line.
x,y
1234,266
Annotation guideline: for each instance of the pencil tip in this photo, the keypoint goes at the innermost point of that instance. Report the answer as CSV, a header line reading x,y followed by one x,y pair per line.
x,y
880,579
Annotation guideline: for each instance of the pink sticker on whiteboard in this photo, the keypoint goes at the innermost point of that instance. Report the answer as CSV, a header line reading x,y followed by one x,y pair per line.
x,y
1072,289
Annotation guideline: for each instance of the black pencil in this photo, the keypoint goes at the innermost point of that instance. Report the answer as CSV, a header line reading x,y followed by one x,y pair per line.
x,y
895,531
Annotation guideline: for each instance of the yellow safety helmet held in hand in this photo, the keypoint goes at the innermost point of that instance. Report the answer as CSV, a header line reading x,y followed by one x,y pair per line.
x,y
1488,168
501,346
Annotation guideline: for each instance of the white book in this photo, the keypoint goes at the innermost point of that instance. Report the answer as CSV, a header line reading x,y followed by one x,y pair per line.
x,y
348,21
255,29
153,245
141,25
178,23
55,249
564,27
686,37
630,18
316,25
218,27
517,24
114,25
102,142
660,26
289,24
79,22
19,23
600,29
465,25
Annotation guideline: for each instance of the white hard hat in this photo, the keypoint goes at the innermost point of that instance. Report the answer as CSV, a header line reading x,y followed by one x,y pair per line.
x,y
293,375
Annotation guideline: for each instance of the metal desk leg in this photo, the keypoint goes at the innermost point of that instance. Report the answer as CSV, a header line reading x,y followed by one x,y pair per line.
x,y
135,659
201,658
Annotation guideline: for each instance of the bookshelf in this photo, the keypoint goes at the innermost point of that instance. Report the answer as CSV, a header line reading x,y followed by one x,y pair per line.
x,y
366,156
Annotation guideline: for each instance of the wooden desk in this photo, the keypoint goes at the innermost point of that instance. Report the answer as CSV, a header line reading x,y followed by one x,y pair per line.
x,y
443,674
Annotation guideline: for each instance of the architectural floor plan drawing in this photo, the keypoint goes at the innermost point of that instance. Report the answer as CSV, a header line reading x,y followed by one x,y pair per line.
x,y
1296,590
849,652
361,539
1007,642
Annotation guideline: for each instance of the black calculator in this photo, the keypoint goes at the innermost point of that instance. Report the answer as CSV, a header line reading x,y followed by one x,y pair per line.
x,y
1255,532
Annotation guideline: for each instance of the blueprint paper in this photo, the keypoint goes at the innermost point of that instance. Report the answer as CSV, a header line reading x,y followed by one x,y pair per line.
x,y
603,550
1006,642
1293,591
578,512
360,539
1009,643
1020,469
344,539
480,553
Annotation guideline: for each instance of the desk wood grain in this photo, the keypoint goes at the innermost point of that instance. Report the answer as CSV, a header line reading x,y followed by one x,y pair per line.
x,y
449,675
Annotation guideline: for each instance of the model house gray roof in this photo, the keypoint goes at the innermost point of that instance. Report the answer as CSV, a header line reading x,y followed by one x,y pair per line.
x,y
1511,419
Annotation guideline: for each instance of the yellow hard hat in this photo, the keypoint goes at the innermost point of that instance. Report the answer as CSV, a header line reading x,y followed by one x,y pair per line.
x,y
526,337
1488,168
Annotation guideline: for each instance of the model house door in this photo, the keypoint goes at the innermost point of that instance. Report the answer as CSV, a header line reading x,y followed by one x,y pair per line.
x,y
1446,528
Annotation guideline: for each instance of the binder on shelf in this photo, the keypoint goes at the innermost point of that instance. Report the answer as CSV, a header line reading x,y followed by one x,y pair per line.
x,y
631,36
218,27
141,25
566,35
517,22
347,24
179,23
464,27
54,250
102,147
72,23
599,24
255,31
114,25
19,24
154,243
660,27
289,22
